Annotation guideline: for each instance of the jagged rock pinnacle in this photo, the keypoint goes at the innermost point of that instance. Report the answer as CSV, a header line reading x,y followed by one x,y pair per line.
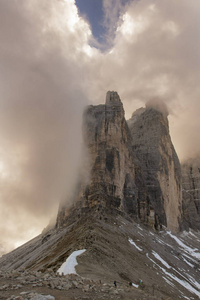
x,y
112,98
159,162
148,188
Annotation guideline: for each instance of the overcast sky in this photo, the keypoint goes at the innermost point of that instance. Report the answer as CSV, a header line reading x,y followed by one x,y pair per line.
x,y
54,60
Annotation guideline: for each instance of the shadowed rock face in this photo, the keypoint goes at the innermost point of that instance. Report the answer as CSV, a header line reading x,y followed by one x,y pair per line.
x,y
114,174
191,192
133,171
159,162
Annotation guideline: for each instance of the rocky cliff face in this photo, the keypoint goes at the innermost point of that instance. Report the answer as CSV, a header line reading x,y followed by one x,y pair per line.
x,y
136,171
159,162
115,181
191,192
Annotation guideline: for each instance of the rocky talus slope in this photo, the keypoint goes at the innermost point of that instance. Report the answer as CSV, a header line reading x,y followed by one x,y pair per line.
x,y
191,192
118,249
27,285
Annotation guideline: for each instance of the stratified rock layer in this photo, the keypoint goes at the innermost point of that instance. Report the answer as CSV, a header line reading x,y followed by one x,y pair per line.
x,y
191,192
159,162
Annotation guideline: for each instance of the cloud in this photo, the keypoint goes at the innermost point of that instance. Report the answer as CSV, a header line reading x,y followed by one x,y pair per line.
x,y
41,101
49,73
113,10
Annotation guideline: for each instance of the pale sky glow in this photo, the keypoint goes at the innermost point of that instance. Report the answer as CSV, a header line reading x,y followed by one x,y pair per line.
x,y
52,67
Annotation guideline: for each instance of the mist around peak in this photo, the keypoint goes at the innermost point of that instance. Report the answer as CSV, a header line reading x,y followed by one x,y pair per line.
x,y
159,105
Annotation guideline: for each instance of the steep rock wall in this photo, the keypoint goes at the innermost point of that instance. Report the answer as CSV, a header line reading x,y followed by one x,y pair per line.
x,y
191,192
159,162
133,168
115,179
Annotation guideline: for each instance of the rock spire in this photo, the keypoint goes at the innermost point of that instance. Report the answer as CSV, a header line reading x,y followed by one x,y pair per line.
x,y
133,168
159,162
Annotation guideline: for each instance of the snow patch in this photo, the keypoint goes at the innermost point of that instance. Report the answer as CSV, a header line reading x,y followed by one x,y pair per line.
x,y
140,234
192,234
147,255
188,249
194,282
190,258
169,282
36,296
164,243
41,297
161,242
161,260
68,267
134,244
138,226
187,262
184,283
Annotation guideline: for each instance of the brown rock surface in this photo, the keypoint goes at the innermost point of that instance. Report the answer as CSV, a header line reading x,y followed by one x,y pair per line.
x,y
116,249
115,180
159,162
136,171
191,192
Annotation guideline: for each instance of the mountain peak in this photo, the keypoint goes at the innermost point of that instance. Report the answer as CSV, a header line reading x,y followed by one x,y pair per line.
x,y
112,98
128,166
158,105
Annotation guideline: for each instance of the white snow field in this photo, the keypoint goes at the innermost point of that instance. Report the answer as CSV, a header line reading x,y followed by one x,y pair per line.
x,y
68,267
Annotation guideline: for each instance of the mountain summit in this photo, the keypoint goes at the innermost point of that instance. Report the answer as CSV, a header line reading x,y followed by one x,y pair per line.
x,y
125,223
159,163
134,168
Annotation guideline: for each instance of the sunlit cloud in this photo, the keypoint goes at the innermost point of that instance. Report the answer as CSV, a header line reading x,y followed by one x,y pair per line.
x,y
131,27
